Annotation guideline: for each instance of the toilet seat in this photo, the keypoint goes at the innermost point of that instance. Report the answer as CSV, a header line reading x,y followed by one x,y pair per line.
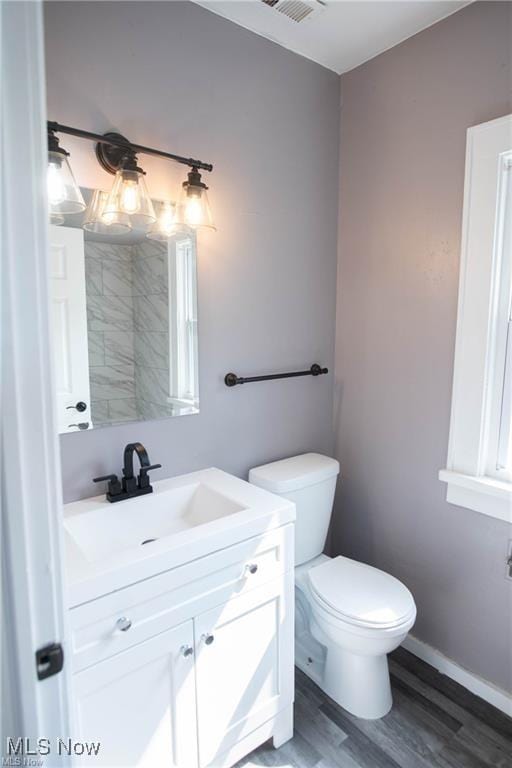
x,y
360,595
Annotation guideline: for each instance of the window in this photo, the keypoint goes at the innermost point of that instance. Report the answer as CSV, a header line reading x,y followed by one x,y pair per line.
x,y
479,471
500,432
184,389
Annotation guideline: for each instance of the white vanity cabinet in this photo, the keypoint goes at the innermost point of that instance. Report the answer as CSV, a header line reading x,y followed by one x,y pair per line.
x,y
140,704
242,668
192,668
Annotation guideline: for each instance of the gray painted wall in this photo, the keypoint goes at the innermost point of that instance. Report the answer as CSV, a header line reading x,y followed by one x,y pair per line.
x,y
267,277
268,120
404,121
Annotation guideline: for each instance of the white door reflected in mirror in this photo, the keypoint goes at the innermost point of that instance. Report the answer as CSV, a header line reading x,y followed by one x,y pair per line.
x,y
69,318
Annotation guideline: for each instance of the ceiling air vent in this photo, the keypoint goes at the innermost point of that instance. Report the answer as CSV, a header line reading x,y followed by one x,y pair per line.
x,y
297,10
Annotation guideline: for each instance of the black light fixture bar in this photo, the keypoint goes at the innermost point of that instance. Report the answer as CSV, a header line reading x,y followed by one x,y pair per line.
x,y
231,379
135,148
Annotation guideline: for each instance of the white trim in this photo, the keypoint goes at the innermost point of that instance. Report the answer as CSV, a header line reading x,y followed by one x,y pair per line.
x,y
31,499
482,494
475,377
486,691
183,355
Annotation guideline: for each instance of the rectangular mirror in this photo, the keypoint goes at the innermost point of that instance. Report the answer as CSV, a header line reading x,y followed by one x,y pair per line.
x,y
124,312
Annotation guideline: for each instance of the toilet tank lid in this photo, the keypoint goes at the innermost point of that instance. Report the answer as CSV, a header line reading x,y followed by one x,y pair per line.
x,y
294,473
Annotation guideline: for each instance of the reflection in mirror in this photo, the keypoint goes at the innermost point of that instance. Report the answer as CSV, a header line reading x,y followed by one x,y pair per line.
x,y
124,324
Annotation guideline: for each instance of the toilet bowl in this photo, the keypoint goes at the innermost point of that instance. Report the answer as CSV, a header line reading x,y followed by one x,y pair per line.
x,y
360,614
349,615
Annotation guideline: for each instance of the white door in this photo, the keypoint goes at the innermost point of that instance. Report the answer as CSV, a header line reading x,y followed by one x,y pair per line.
x,y
31,502
244,668
69,319
140,704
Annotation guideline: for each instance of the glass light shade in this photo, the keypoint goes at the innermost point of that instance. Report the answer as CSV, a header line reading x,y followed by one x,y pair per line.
x,y
194,208
101,220
64,194
165,225
129,196
56,219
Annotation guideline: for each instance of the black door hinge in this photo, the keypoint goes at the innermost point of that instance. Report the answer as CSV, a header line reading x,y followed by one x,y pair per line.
x,y
49,660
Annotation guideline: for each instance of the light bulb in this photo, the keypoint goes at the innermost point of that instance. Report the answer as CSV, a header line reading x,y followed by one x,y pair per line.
x,y
102,218
130,196
193,211
166,220
55,184
108,215
64,195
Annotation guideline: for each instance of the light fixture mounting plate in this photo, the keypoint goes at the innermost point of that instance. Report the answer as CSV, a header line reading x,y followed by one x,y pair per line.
x,y
110,156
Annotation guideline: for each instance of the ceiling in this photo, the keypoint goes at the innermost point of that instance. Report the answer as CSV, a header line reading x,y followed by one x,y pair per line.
x,y
345,33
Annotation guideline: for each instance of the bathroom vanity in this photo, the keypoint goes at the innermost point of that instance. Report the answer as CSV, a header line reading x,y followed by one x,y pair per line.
x,y
182,622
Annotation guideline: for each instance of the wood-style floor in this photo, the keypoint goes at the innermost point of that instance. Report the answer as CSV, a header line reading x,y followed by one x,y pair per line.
x,y
434,723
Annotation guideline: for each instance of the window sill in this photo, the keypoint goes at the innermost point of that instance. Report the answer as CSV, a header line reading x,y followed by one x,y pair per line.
x,y
482,494
183,402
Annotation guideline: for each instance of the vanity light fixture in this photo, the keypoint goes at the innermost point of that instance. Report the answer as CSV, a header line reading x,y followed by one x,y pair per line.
x,y
64,194
194,208
101,220
129,195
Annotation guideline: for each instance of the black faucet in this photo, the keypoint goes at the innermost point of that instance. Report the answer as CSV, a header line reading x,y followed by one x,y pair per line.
x,y
130,485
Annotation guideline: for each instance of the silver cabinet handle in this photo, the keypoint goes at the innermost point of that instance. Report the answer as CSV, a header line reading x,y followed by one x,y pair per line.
x,y
186,650
208,639
123,624
251,568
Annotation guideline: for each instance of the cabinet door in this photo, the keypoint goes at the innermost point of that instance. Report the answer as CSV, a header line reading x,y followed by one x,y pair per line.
x,y
140,704
244,666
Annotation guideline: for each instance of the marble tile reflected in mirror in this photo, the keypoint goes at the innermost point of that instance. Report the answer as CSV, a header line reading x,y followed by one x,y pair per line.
x,y
124,326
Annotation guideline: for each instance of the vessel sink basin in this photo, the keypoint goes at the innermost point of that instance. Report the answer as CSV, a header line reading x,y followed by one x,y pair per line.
x,y
137,524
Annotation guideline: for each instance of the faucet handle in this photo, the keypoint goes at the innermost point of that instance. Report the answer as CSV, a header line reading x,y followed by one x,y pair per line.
x,y
143,476
113,478
114,486
143,470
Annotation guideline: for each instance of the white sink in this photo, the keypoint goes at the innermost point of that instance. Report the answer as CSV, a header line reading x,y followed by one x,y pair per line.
x,y
144,520
109,546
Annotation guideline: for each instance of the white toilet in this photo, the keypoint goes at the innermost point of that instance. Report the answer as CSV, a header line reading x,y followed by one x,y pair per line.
x,y
349,616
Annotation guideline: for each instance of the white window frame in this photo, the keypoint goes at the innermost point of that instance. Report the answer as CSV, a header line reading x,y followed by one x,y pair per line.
x,y
473,476
183,367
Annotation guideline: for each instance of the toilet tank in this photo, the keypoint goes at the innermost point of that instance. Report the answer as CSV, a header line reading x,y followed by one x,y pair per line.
x,y
309,481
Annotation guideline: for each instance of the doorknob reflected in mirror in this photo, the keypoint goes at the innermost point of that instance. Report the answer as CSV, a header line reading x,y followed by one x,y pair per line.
x,y
80,407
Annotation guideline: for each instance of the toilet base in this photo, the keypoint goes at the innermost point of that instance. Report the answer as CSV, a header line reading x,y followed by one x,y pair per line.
x,y
349,663
359,684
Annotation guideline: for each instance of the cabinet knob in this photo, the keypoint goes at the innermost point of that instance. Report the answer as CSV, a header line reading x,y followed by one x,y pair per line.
x,y
123,624
208,639
251,568
186,650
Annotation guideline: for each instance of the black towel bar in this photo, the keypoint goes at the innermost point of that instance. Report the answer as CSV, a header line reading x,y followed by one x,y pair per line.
x,y
231,379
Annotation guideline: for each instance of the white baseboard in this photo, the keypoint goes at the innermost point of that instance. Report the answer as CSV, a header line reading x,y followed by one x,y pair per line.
x,y
490,693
